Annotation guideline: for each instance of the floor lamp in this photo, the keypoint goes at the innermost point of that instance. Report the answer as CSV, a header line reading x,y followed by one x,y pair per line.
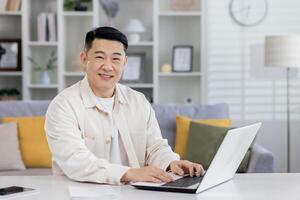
x,y
284,51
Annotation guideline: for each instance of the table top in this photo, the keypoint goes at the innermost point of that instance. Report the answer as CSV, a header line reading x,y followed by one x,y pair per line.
x,y
243,186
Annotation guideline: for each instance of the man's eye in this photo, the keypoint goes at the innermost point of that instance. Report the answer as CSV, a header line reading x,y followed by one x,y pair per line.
x,y
116,59
99,57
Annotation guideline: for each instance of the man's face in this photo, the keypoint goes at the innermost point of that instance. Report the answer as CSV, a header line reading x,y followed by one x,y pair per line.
x,y
104,64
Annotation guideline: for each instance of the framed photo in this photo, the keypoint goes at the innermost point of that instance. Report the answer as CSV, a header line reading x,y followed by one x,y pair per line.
x,y
133,69
10,55
182,58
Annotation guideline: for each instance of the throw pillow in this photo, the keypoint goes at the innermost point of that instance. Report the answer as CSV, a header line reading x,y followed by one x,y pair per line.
x,y
182,130
34,147
203,143
9,148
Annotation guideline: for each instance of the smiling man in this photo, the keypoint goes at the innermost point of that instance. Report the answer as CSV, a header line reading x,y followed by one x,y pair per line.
x,y
101,131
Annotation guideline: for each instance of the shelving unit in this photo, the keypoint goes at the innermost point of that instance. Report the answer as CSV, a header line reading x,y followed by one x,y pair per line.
x,y
11,28
185,26
164,26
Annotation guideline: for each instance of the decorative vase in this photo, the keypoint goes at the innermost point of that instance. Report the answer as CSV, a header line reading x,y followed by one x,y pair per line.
x,y
45,78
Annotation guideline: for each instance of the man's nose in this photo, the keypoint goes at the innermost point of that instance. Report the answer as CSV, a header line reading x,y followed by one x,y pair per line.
x,y
107,65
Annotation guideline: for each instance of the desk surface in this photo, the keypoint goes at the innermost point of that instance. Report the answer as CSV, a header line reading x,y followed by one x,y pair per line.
x,y
243,186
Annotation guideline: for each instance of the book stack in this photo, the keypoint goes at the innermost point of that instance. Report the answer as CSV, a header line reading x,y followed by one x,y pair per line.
x,y
46,27
10,5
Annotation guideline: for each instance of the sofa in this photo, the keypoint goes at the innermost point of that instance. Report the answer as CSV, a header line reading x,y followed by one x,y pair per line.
x,y
261,160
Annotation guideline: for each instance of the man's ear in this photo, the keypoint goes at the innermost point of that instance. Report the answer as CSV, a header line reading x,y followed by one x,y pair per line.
x,y
83,58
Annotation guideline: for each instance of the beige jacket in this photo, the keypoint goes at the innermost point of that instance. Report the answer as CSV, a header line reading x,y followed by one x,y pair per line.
x,y
78,134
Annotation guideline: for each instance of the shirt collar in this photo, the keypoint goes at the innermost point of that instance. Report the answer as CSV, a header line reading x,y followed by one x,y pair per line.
x,y
89,99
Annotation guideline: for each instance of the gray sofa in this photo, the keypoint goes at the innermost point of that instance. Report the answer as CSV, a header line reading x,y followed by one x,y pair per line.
x,y
261,159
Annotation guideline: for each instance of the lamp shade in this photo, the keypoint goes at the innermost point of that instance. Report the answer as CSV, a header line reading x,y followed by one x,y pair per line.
x,y
134,26
282,51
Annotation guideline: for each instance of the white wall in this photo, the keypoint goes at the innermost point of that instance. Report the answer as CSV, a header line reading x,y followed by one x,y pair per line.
x,y
235,74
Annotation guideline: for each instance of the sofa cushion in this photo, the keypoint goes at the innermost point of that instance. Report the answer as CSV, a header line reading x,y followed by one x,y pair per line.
x,y
9,148
34,147
203,143
183,126
166,115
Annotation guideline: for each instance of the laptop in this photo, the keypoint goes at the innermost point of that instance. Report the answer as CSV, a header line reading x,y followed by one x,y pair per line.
x,y
222,168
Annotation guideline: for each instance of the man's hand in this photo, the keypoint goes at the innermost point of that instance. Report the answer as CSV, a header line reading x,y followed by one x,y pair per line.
x,y
148,174
182,167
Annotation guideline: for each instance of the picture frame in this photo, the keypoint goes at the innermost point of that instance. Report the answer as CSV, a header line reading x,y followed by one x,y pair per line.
x,y
182,58
133,70
10,55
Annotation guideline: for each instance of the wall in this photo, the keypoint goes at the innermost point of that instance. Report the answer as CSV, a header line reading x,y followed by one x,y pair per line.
x,y
236,74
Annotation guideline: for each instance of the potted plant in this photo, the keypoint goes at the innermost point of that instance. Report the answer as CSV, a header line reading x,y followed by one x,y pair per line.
x,y
45,72
9,94
77,5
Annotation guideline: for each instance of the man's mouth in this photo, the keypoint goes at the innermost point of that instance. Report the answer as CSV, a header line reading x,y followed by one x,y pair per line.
x,y
106,76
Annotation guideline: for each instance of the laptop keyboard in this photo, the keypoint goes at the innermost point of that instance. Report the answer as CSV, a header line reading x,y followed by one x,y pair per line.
x,y
185,181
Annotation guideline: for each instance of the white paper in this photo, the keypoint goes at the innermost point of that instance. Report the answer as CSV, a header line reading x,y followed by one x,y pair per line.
x,y
92,192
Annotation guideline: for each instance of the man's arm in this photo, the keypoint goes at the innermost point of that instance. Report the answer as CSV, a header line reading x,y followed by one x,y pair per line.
x,y
70,151
159,153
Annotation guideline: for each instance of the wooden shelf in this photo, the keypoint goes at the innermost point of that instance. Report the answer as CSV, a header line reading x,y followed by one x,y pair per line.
x,y
176,74
78,13
10,73
75,74
11,13
139,85
43,43
41,86
141,43
180,13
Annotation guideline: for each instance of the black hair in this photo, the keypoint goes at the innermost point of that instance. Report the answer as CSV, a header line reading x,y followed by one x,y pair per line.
x,y
105,32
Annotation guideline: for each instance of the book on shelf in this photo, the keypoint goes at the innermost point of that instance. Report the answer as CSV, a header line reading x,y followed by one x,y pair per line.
x,y
12,5
42,26
46,27
51,26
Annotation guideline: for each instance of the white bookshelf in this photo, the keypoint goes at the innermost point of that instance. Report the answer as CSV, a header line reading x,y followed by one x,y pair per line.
x,y
164,29
171,27
11,28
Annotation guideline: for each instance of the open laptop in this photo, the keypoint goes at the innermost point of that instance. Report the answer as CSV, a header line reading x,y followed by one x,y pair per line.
x,y
222,168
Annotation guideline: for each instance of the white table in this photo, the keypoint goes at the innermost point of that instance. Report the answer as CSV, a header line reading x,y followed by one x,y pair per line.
x,y
243,186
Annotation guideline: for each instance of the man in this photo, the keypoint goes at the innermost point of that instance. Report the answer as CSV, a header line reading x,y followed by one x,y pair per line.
x,y
101,131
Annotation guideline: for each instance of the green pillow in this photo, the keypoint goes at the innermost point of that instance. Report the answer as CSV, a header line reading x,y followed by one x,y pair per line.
x,y
203,143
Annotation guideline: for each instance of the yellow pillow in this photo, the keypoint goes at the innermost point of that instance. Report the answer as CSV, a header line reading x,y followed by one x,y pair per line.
x,y
33,143
182,130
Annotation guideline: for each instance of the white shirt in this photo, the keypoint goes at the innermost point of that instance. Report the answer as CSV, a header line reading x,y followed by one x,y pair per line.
x,y
117,151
